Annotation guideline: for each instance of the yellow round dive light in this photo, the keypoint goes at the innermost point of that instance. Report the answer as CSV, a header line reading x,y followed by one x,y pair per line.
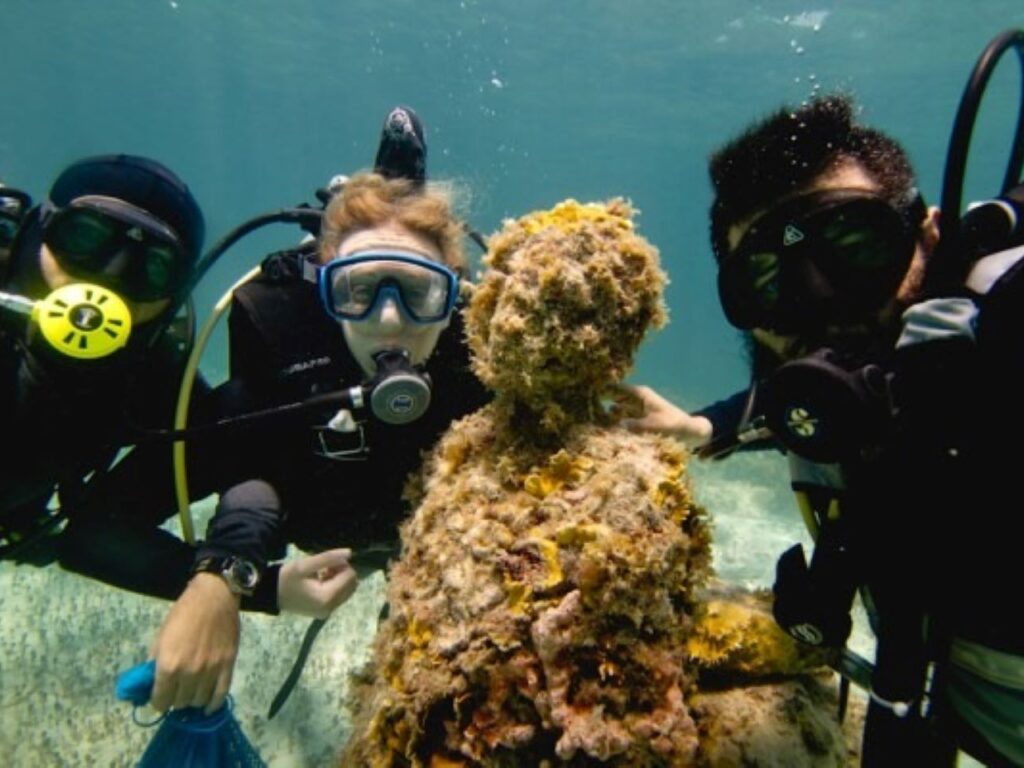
x,y
84,321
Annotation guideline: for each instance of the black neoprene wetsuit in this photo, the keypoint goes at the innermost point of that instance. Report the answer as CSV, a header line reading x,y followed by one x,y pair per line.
x,y
923,520
64,422
284,348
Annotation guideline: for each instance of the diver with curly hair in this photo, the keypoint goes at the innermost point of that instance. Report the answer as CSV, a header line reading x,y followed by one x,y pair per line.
x,y
889,400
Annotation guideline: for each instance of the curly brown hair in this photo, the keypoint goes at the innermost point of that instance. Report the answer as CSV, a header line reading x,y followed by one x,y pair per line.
x,y
370,200
791,148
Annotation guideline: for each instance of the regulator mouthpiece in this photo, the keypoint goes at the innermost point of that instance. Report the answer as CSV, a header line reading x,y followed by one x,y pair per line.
x,y
399,394
83,321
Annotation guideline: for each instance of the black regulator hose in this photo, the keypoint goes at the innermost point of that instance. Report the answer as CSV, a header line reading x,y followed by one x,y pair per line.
x,y
951,261
352,398
303,216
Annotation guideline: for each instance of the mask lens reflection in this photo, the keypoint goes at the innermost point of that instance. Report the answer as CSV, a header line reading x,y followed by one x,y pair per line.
x,y
87,239
355,286
842,255
126,256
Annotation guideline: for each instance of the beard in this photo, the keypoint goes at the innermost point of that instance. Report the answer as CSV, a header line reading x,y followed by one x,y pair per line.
x,y
871,340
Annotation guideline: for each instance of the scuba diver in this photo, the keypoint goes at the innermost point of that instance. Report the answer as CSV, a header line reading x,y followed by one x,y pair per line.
x,y
91,339
891,392
132,229
376,300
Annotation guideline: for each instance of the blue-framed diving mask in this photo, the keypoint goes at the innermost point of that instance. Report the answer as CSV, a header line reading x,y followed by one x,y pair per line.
x,y
353,287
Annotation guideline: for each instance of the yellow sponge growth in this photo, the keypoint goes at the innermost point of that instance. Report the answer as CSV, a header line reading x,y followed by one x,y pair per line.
x,y
561,469
569,215
736,638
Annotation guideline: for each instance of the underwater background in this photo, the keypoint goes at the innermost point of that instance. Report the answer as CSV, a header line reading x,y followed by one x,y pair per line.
x,y
255,104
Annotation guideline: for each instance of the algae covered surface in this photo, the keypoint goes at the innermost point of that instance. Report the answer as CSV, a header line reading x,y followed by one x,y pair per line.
x,y
552,604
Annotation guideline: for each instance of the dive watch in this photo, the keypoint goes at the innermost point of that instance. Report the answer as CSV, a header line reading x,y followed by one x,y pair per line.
x,y
239,574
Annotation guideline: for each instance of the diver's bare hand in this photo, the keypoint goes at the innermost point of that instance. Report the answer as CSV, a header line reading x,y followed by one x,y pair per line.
x,y
196,647
316,584
644,410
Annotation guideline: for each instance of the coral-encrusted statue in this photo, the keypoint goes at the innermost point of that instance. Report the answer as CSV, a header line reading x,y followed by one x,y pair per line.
x,y
543,611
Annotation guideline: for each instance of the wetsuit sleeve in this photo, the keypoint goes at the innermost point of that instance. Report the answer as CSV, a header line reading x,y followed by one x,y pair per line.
x,y
248,524
249,518
145,560
726,417
114,534
116,538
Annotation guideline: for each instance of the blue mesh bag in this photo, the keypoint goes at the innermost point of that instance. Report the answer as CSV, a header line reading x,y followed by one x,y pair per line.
x,y
188,738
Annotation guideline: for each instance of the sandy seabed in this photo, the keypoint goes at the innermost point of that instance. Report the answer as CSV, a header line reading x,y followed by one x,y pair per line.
x,y
64,639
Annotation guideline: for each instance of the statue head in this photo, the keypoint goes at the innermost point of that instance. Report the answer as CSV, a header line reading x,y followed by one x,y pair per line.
x,y
562,307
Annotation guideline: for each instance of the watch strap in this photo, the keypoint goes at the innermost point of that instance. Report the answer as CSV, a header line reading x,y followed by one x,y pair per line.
x,y
225,566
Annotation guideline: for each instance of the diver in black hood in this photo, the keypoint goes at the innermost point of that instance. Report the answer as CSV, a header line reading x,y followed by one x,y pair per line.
x,y
90,337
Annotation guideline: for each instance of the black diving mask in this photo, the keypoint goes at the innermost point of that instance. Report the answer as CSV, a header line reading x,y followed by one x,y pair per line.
x,y
102,239
831,257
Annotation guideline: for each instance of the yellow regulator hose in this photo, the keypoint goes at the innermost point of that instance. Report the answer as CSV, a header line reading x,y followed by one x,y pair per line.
x,y
181,411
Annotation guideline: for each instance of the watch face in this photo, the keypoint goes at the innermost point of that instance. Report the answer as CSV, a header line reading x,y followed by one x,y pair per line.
x,y
244,573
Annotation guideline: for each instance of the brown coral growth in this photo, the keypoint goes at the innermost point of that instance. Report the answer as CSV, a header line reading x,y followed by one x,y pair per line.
x,y
543,611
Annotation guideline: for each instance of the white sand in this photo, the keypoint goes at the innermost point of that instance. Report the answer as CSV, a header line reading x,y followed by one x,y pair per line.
x,y
63,639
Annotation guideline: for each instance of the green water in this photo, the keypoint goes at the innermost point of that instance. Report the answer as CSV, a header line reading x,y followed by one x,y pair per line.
x,y
255,104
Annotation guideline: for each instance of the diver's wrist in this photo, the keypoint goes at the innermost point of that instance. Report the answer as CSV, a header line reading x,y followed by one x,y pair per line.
x,y
695,431
212,583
